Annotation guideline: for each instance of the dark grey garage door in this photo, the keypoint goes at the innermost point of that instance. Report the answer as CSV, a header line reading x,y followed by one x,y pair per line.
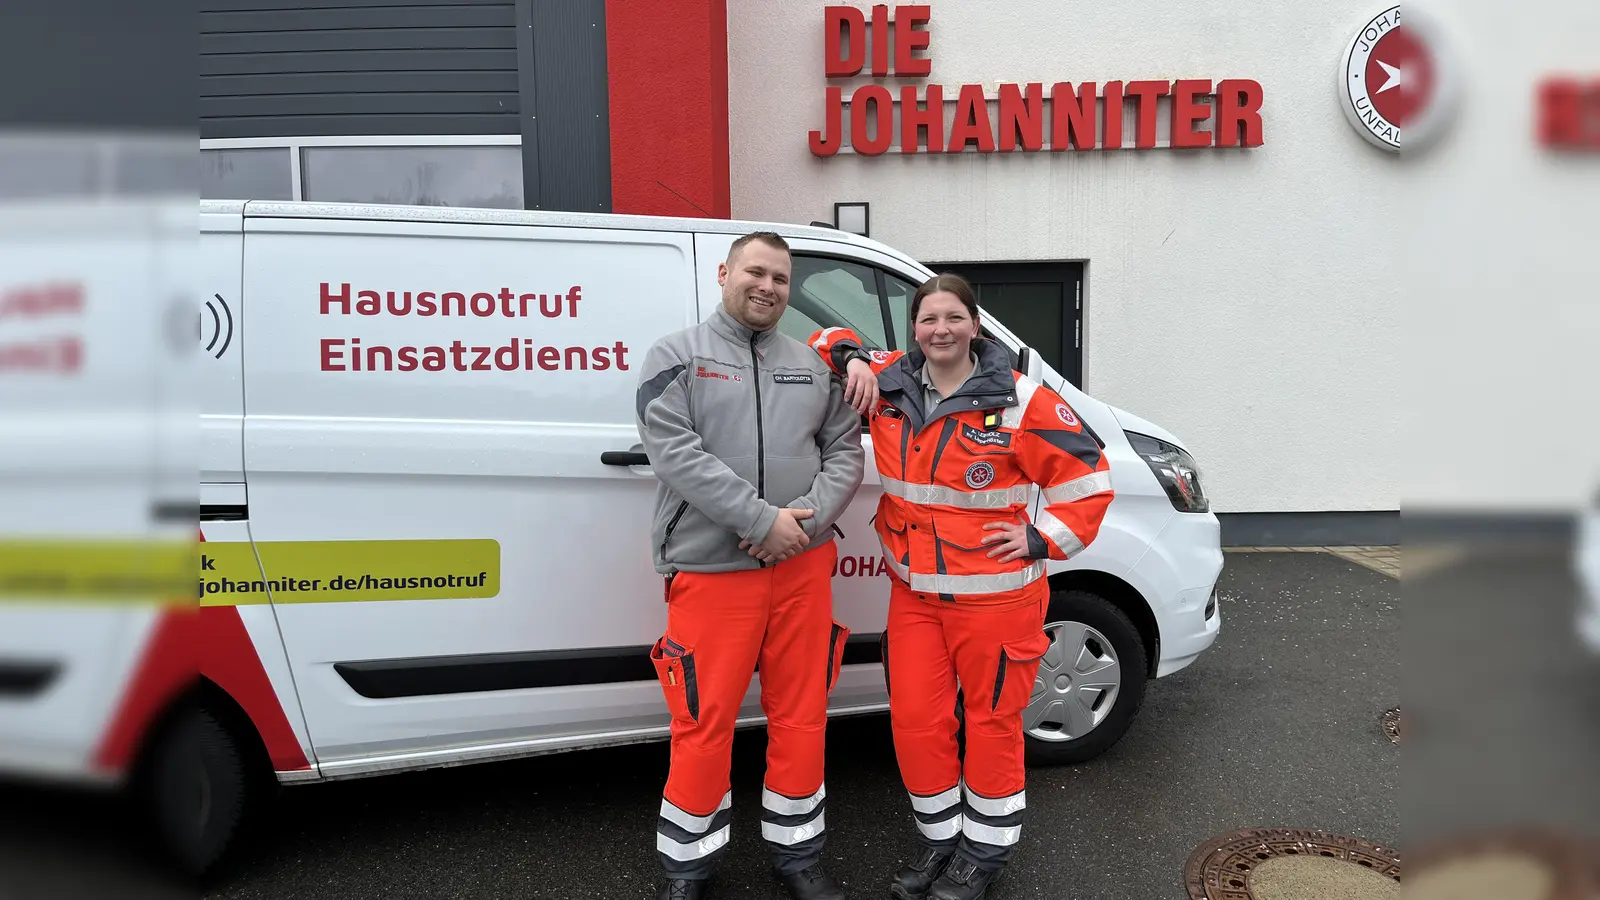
x,y
313,68
1041,302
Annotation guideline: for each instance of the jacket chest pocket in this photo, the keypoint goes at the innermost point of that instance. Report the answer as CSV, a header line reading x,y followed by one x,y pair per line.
x,y
722,400
797,401
889,432
978,438
977,459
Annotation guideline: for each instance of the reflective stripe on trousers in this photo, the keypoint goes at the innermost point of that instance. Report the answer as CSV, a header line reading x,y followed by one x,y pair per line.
x,y
992,827
939,817
794,828
688,843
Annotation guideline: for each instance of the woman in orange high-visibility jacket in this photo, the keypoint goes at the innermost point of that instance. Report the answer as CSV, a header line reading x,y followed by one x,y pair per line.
x,y
961,440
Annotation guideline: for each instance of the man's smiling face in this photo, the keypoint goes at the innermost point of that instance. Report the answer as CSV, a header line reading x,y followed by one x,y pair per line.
x,y
755,285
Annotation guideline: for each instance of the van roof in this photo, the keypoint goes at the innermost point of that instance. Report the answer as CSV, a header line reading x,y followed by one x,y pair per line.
x,y
306,209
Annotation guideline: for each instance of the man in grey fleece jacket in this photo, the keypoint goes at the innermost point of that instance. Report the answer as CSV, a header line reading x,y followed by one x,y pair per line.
x,y
757,455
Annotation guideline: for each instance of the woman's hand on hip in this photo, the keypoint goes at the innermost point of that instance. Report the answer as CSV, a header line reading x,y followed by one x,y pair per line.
x,y
1010,538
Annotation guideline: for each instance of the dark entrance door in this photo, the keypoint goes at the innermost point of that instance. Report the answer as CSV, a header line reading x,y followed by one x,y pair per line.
x,y
1042,303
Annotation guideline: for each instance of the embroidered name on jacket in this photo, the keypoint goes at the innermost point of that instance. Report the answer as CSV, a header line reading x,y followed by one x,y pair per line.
x,y
703,372
790,378
987,438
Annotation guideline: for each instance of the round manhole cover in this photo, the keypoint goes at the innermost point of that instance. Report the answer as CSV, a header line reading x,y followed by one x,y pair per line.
x,y
1391,725
1529,865
1291,864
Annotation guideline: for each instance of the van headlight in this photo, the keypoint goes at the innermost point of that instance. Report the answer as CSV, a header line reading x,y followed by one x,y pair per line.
x,y
1175,469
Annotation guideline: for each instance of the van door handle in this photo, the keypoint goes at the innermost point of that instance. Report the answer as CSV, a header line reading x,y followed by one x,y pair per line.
x,y
624,458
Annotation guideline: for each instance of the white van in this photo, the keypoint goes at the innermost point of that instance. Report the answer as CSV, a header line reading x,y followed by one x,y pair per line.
x,y
424,509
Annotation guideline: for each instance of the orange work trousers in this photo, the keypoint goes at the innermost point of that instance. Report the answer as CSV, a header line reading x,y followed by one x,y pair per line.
x,y
930,645
719,627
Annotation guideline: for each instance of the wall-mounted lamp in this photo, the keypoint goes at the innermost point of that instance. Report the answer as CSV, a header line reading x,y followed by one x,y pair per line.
x,y
852,217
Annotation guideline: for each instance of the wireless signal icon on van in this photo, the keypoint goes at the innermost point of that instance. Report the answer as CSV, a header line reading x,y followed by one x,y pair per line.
x,y
220,330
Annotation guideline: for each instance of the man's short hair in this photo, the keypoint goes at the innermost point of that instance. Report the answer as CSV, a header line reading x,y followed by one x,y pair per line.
x,y
770,238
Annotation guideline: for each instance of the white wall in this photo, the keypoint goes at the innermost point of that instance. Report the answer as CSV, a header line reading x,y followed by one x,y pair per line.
x,y
1503,339
1244,299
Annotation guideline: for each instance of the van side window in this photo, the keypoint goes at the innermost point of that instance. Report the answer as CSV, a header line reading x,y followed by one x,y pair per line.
x,y
899,293
830,293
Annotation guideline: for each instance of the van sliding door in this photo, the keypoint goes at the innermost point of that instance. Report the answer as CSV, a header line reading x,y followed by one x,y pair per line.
x,y
438,438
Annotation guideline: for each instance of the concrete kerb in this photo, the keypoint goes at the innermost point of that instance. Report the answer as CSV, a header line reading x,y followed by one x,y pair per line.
x,y
1383,560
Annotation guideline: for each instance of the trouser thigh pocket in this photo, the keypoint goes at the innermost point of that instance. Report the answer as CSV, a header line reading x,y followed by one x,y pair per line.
x,y
1013,682
675,670
837,636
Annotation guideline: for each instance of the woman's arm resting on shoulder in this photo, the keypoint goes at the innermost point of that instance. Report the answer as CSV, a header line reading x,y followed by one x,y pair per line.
x,y
841,350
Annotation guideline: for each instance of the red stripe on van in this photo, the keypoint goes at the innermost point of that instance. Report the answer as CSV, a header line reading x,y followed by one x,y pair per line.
x,y
210,641
165,671
228,657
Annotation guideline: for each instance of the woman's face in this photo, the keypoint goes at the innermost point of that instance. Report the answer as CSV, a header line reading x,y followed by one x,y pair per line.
x,y
944,329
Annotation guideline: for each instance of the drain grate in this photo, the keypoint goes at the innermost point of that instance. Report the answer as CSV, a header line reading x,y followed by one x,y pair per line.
x,y
1391,725
1222,868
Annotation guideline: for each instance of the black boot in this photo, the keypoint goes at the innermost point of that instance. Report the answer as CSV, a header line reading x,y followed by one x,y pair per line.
x,y
961,880
915,877
811,884
682,889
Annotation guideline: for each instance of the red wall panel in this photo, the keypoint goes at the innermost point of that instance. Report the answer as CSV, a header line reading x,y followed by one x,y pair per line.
x,y
667,64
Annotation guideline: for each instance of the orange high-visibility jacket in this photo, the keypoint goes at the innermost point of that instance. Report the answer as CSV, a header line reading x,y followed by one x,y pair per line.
x,y
973,460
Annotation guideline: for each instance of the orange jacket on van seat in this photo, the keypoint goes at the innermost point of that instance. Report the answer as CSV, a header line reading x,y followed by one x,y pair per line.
x,y
973,460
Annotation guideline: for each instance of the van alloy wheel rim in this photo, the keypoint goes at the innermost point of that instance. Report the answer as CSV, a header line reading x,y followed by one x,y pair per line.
x,y
1077,685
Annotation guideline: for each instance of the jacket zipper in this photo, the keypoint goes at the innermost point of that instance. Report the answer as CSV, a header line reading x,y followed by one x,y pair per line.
x,y
761,452
761,445
905,441
682,508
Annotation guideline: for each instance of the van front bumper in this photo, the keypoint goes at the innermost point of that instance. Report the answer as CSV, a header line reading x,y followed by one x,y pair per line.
x,y
1178,577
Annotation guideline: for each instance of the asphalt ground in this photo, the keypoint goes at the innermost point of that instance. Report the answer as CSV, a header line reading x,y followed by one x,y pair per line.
x,y
1279,725
1502,727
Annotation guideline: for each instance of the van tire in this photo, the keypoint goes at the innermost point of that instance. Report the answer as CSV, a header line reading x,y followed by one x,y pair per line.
x,y
1099,614
197,790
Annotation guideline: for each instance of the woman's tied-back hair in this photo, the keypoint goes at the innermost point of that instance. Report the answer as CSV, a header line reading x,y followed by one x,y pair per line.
x,y
952,283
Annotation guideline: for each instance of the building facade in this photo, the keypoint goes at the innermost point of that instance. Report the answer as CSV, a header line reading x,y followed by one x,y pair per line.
x,y
1169,203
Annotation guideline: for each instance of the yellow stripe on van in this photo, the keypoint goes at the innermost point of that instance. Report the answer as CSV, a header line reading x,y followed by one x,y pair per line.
x,y
348,571
114,571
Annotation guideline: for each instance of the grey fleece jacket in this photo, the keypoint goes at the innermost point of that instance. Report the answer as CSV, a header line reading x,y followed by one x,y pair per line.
x,y
738,424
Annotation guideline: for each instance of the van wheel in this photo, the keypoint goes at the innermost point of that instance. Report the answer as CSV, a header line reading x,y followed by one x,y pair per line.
x,y
1090,683
197,789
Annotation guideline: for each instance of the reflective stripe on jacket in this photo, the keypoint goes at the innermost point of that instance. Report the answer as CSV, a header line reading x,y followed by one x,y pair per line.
x,y
973,460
